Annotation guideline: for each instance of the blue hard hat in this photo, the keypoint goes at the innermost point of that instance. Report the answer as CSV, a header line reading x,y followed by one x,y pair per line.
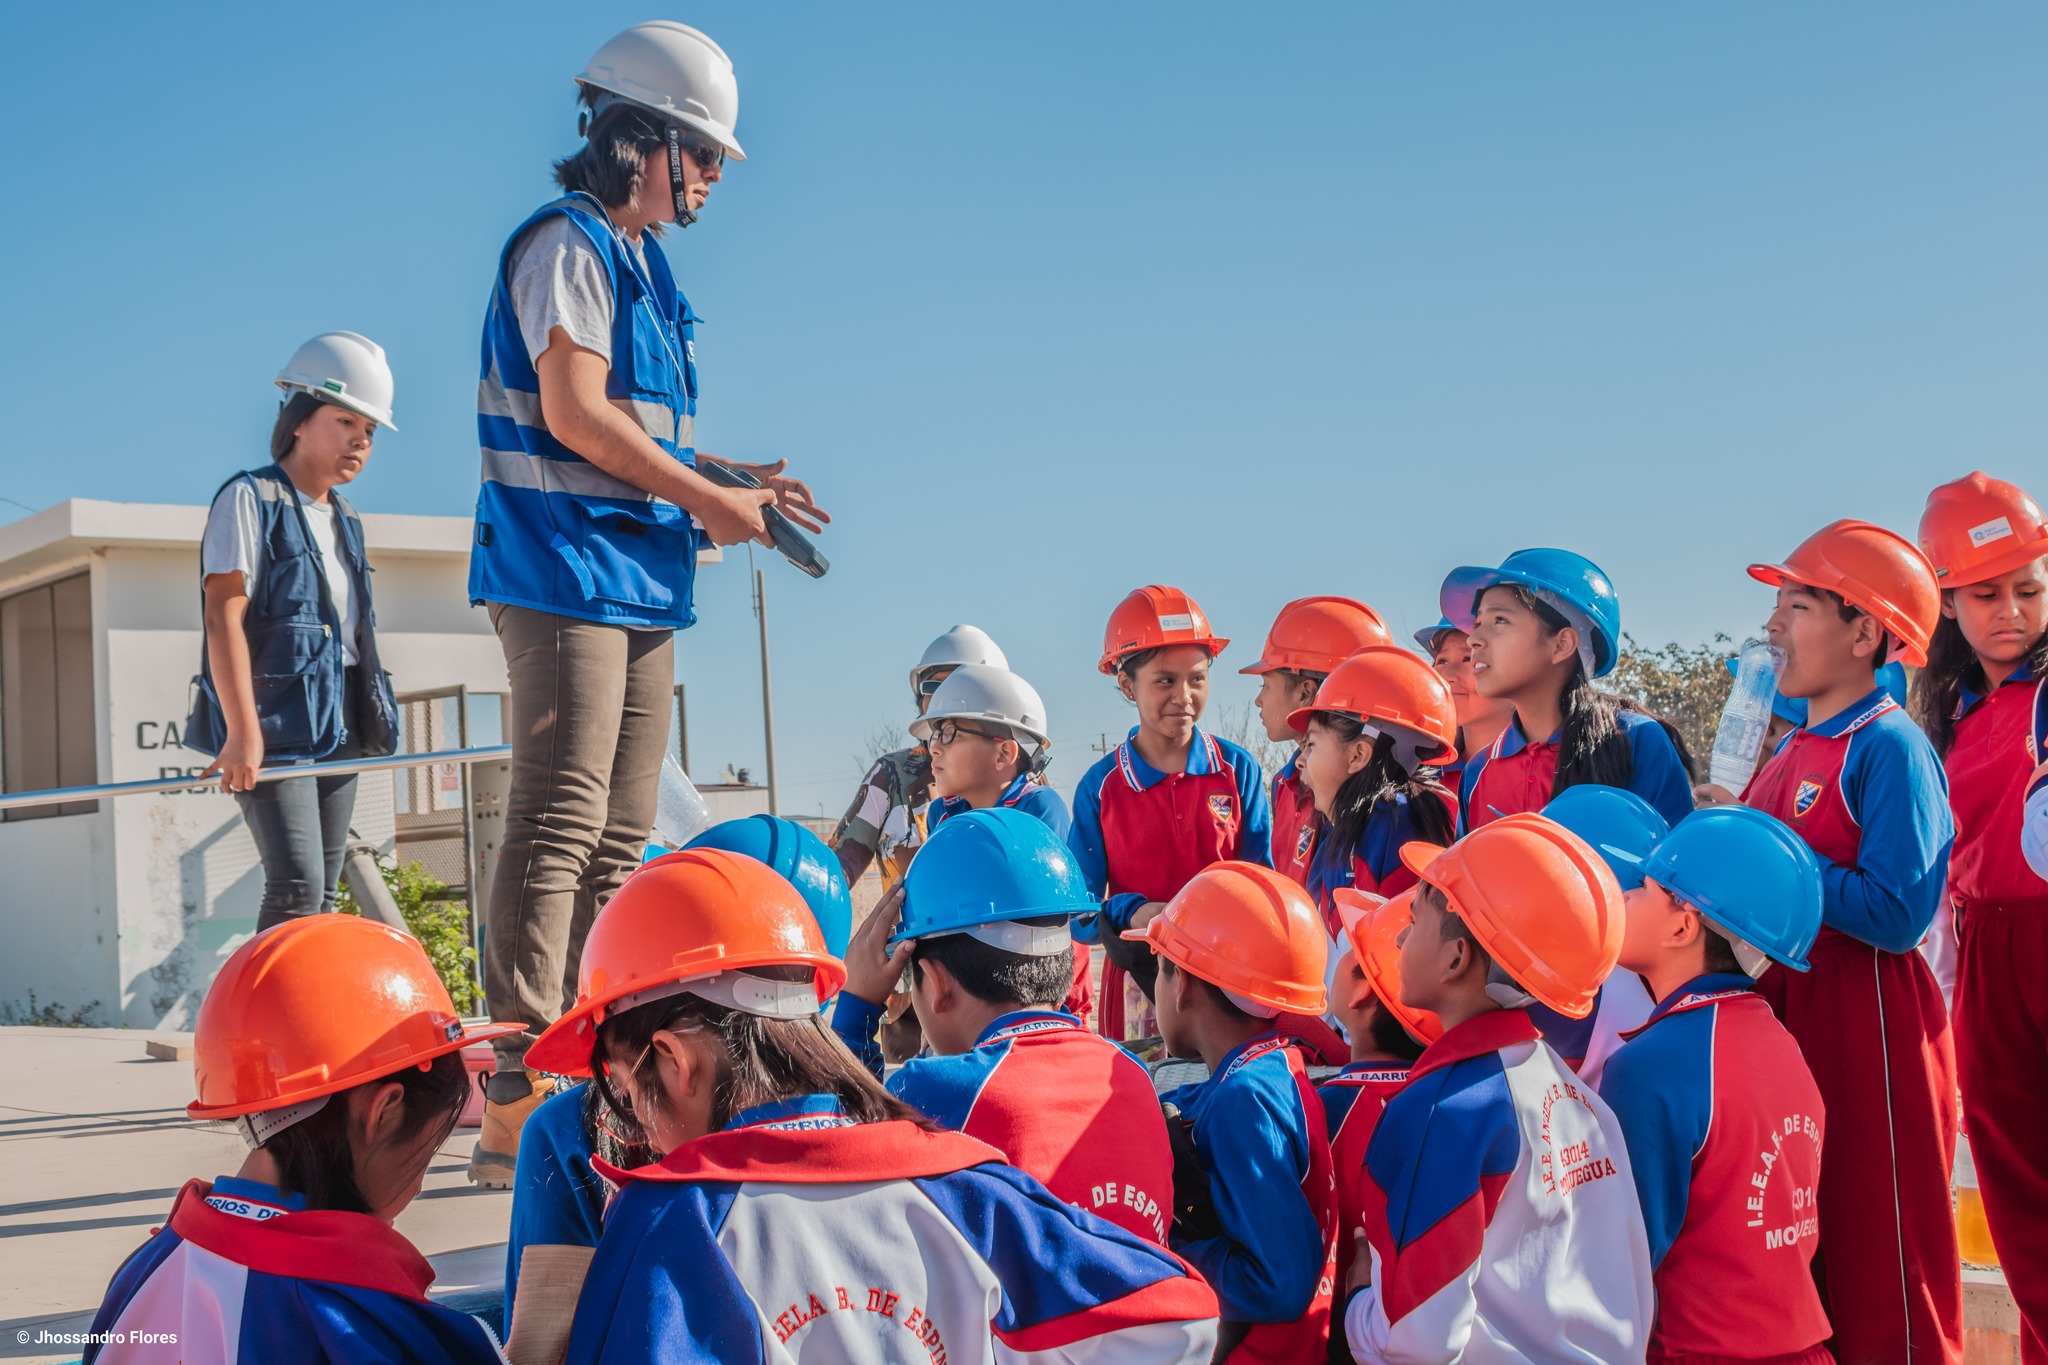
x,y
803,860
1749,874
1572,578
1621,826
1892,678
991,867
1426,637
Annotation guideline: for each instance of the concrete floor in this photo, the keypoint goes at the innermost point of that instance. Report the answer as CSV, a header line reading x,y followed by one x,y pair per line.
x,y
94,1145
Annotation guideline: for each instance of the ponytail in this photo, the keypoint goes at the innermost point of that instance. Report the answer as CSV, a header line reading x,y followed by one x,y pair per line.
x,y
1937,690
1381,779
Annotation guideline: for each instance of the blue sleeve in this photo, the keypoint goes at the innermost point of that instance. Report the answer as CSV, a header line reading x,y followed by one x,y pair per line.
x,y
1266,1264
660,1288
1391,825
1898,794
944,1089
1084,840
1660,777
557,1200
1467,781
1045,804
859,1025
1255,836
1660,1087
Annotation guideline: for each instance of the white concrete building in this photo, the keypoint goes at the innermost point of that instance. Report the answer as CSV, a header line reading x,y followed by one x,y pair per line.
x,y
120,911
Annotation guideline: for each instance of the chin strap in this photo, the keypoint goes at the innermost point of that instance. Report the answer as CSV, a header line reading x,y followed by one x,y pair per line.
x,y
685,215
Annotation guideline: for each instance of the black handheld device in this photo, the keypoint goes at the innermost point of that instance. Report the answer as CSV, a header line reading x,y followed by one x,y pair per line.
x,y
796,547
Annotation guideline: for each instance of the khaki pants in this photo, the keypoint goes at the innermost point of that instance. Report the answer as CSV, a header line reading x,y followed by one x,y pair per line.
x,y
588,724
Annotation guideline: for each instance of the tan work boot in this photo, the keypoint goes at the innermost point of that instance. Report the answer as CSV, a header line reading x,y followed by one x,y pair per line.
x,y
496,1157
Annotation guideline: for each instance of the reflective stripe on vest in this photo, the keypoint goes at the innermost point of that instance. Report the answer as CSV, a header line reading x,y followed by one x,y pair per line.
x,y
553,531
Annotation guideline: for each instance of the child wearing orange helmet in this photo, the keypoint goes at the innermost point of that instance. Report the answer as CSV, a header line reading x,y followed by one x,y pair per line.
x,y
334,1049
1171,799
1386,1038
1977,699
795,1198
1308,639
1254,1206
1862,786
1495,1160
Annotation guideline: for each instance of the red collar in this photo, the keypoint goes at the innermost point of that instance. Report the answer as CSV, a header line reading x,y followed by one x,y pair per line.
x,y
1477,1036
894,1149
318,1244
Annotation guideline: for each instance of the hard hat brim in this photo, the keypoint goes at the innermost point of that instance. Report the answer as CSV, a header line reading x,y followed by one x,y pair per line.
x,y
336,1085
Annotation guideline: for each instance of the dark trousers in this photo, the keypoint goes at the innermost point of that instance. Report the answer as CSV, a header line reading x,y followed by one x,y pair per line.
x,y
300,825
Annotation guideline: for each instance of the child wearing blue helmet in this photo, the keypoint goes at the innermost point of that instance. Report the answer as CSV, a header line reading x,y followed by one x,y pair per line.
x,y
557,1200
1543,626
1723,1120
984,933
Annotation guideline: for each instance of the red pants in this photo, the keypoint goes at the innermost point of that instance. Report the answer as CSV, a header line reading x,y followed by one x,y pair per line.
x,y
1876,1035
2002,1057
1081,995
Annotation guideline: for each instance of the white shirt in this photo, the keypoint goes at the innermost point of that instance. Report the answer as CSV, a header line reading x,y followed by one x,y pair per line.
x,y
557,280
234,544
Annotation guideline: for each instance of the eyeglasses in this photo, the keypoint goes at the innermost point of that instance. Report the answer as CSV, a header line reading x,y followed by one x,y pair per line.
x,y
946,731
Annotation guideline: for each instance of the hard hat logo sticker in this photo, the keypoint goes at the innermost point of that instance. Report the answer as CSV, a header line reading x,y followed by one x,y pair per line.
x,y
1998,528
1177,621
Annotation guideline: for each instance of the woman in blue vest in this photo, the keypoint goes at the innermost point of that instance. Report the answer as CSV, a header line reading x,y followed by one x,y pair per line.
x,y
289,672
590,518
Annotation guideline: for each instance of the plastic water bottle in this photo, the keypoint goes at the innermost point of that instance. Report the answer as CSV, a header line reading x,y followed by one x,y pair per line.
x,y
1747,716
680,814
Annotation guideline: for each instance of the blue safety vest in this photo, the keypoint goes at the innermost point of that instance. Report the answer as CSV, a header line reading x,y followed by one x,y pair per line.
x,y
553,531
295,652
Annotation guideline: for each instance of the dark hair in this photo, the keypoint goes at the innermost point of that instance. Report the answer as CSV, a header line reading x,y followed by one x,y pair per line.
x,y
1381,779
764,1059
1454,928
1387,1035
613,1137
609,164
995,976
1850,611
1937,690
291,415
1591,746
1721,959
316,1159
1128,666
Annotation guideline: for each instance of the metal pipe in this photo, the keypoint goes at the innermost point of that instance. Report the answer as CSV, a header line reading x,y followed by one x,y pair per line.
x,y
331,768
767,694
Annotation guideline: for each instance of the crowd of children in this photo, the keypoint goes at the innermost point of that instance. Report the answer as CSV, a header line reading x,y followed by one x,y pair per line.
x,y
1614,1065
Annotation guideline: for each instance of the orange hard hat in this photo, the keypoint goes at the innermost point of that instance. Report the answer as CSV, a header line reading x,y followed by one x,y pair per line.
x,y
1373,926
1978,527
1383,685
1872,568
316,1006
1153,617
1315,634
1249,930
1544,906
702,915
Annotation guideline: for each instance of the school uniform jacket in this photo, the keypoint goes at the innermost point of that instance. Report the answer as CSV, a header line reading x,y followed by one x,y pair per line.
x,y
1261,1135
1352,1102
1516,774
1066,1105
2034,835
1724,1126
1988,766
1294,821
1621,1004
798,1235
1501,1212
1025,793
242,1272
1373,866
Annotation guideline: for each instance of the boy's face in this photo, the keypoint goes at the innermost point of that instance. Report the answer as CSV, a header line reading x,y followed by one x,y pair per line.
x,y
1820,647
1166,1008
1351,997
1509,647
1281,693
2002,617
1327,762
1425,957
973,760
1170,691
1650,918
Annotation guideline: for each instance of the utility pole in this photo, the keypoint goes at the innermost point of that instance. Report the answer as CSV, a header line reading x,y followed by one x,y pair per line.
x,y
767,694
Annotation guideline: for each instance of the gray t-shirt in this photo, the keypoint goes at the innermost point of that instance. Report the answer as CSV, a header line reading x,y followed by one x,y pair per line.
x,y
557,280
233,543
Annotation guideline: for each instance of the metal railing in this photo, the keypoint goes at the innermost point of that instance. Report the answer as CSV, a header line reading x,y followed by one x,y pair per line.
x,y
331,768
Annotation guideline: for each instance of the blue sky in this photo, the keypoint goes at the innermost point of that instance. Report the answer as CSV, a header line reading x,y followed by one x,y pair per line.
x,y
1051,301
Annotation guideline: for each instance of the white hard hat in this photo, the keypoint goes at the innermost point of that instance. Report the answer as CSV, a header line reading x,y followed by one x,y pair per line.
x,y
675,71
984,693
344,368
960,645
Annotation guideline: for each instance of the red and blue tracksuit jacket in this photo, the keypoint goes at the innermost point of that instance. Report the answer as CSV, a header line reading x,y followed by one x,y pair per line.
x,y
1724,1126
1501,1212
1988,767
244,1272
1140,834
1295,821
2035,844
1025,792
1621,1004
1513,774
798,1235
1863,788
1262,1138
1375,865
1352,1102
1066,1105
